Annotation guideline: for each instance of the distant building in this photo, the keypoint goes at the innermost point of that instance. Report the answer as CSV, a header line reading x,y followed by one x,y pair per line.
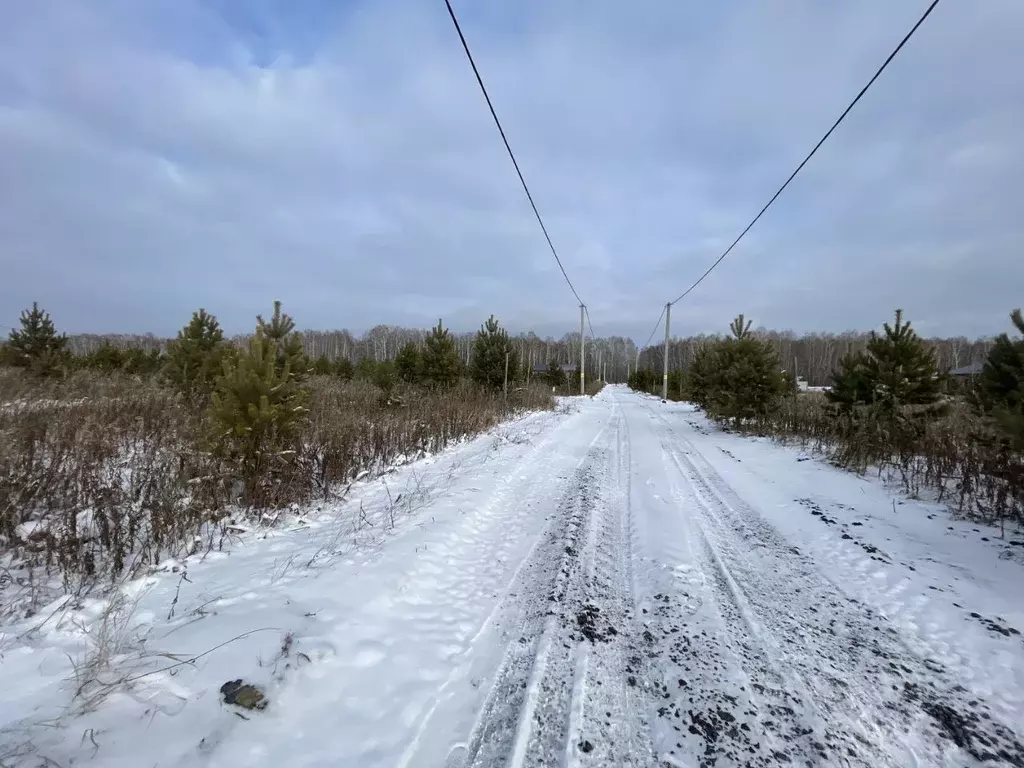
x,y
968,371
541,368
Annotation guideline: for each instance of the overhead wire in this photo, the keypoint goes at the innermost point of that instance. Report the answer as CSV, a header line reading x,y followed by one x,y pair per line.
x,y
508,148
821,141
657,325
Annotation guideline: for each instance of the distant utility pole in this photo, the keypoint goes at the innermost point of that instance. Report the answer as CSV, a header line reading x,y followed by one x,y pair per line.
x,y
583,360
664,376
600,363
796,387
505,386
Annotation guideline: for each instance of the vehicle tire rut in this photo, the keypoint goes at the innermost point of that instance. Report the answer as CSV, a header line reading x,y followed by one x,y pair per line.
x,y
784,668
561,695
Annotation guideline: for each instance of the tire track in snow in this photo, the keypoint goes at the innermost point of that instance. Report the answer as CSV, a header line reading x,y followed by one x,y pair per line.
x,y
837,682
560,696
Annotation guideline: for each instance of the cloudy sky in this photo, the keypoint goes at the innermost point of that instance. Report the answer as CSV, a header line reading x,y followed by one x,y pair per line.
x,y
163,155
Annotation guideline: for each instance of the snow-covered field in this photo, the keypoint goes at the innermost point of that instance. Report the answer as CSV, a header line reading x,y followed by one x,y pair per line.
x,y
615,584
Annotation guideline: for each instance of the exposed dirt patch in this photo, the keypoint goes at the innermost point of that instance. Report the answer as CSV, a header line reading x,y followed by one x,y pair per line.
x,y
996,626
970,727
591,627
818,512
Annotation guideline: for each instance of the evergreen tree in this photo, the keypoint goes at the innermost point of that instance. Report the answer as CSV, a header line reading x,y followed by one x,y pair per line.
x,y
366,369
143,362
37,346
323,366
489,354
257,410
851,384
344,369
281,334
676,385
737,378
898,369
441,364
106,357
1001,384
740,328
745,380
702,373
196,357
385,378
901,368
572,381
407,363
554,376
642,380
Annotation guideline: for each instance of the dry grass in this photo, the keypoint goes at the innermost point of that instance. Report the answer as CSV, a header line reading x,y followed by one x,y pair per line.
x,y
103,475
949,452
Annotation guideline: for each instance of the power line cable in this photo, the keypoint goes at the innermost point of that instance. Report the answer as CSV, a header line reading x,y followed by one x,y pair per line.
x,y
835,125
657,325
586,311
497,122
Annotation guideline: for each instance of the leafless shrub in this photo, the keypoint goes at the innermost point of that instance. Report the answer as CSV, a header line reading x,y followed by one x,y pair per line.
x,y
353,430
949,451
102,475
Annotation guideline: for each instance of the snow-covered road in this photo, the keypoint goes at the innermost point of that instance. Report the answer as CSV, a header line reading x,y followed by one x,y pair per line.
x,y
621,585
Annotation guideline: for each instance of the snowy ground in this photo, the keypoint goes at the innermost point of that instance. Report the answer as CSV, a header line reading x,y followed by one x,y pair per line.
x,y
617,584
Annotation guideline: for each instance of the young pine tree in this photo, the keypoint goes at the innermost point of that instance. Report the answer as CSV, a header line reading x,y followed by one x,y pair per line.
x,y
366,369
344,369
287,343
852,384
555,376
901,368
702,372
36,345
489,355
106,357
440,361
323,366
407,363
1001,384
257,411
195,358
745,379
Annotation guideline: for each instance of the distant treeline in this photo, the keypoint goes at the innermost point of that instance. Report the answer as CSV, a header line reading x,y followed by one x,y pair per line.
x,y
815,355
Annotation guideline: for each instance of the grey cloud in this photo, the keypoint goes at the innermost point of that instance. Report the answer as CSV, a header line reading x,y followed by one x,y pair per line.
x,y
150,166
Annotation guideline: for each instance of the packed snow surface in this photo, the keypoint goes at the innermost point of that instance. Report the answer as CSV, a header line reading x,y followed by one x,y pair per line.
x,y
614,584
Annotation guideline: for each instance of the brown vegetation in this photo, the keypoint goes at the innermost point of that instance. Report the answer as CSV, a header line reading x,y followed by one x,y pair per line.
x,y
103,474
951,453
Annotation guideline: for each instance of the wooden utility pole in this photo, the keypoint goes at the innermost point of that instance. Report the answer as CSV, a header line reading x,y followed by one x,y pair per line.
x,y
583,360
664,375
505,386
796,387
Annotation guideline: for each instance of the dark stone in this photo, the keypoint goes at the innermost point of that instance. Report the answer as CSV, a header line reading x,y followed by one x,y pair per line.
x,y
242,694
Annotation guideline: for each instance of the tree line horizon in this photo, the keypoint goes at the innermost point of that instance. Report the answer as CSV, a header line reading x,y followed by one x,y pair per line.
x,y
815,354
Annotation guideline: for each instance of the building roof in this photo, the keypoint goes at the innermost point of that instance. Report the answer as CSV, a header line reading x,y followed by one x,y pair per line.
x,y
968,370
